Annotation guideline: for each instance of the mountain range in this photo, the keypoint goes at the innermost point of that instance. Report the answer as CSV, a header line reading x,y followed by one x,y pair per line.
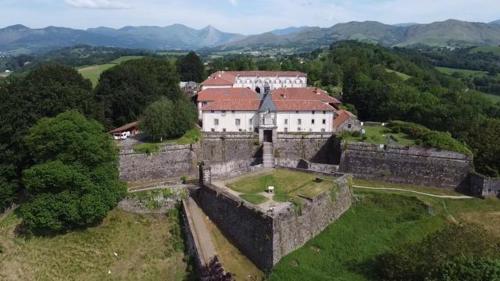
x,y
449,33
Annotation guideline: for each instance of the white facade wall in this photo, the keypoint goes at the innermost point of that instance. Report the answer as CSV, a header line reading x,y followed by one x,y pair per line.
x,y
273,81
285,121
289,121
227,121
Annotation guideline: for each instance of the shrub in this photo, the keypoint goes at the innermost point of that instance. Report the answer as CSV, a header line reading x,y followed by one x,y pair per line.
x,y
433,257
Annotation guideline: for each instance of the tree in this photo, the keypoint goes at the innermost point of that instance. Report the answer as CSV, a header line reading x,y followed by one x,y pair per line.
x,y
45,92
166,119
74,180
191,68
124,91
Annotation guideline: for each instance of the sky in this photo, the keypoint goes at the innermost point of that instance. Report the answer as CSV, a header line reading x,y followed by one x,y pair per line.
x,y
240,16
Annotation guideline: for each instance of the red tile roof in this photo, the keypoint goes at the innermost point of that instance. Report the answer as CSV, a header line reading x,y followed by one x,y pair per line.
x,y
215,94
309,93
343,116
242,105
126,127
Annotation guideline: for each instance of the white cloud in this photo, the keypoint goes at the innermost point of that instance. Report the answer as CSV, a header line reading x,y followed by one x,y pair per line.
x,y
97,4
233,2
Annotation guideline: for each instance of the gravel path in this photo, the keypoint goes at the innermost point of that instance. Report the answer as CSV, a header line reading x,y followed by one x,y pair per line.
x,y
416,192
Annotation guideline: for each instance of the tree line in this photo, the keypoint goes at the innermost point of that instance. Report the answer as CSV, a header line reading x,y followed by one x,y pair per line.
x,y
56,158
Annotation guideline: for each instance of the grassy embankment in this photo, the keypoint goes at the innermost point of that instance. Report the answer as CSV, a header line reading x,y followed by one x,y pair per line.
x,y
147,247
380,135
377,222
288,186
190,137
93,72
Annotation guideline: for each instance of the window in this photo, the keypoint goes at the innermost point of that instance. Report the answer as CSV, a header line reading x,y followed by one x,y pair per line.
x,y
240,130
213,130
216,122
251,121
312,121
324,112
299,129
324,121
238,122
314,112
349,126
322,130
223,113
299,121
224,129
211,111
286,121
232,111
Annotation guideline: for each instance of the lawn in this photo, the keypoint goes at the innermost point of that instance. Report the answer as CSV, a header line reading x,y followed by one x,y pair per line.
x,y
288,185
190,137
380,135
376,223
93,72
147,248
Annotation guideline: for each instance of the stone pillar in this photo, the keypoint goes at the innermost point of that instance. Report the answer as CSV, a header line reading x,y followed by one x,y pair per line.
x,y
205,175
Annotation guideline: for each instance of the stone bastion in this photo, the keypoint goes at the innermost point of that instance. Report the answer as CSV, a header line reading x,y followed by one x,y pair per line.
x,y
265,236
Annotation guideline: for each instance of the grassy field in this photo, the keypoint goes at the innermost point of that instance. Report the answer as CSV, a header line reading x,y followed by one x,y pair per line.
x,y
487,49
93,72
288,185
376,223
401,75
493,98
466,72
381,135
146,247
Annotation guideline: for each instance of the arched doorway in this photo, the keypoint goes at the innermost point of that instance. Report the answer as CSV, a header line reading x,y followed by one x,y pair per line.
x,y
257,89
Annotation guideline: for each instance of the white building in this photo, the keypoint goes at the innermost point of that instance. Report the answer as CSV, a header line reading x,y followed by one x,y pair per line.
x,y
268,103
256,80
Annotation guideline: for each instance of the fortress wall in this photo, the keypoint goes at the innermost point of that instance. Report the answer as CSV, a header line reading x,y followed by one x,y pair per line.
x,y
291,230
248,229
317,148
483,186
266,237
408,165
172,161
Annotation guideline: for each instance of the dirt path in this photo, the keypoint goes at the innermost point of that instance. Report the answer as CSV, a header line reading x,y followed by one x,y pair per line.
x,y
416,192
200,232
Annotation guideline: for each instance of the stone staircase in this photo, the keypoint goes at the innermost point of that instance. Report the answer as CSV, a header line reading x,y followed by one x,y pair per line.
x,y
268,155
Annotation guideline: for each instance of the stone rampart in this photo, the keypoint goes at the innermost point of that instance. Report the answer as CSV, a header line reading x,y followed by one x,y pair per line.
x,y
317,148
266,237
409,165
483,186
172,161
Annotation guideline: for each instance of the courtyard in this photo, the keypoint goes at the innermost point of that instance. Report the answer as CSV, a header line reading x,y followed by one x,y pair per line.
x,y
289,186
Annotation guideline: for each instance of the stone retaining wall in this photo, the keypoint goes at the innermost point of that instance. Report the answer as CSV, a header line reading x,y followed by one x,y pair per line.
x,y
172,161
317,148
409,165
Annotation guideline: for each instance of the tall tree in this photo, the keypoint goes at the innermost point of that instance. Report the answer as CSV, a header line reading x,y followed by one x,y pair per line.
x,y
74,180
124,91
45,92
166,119
191,68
